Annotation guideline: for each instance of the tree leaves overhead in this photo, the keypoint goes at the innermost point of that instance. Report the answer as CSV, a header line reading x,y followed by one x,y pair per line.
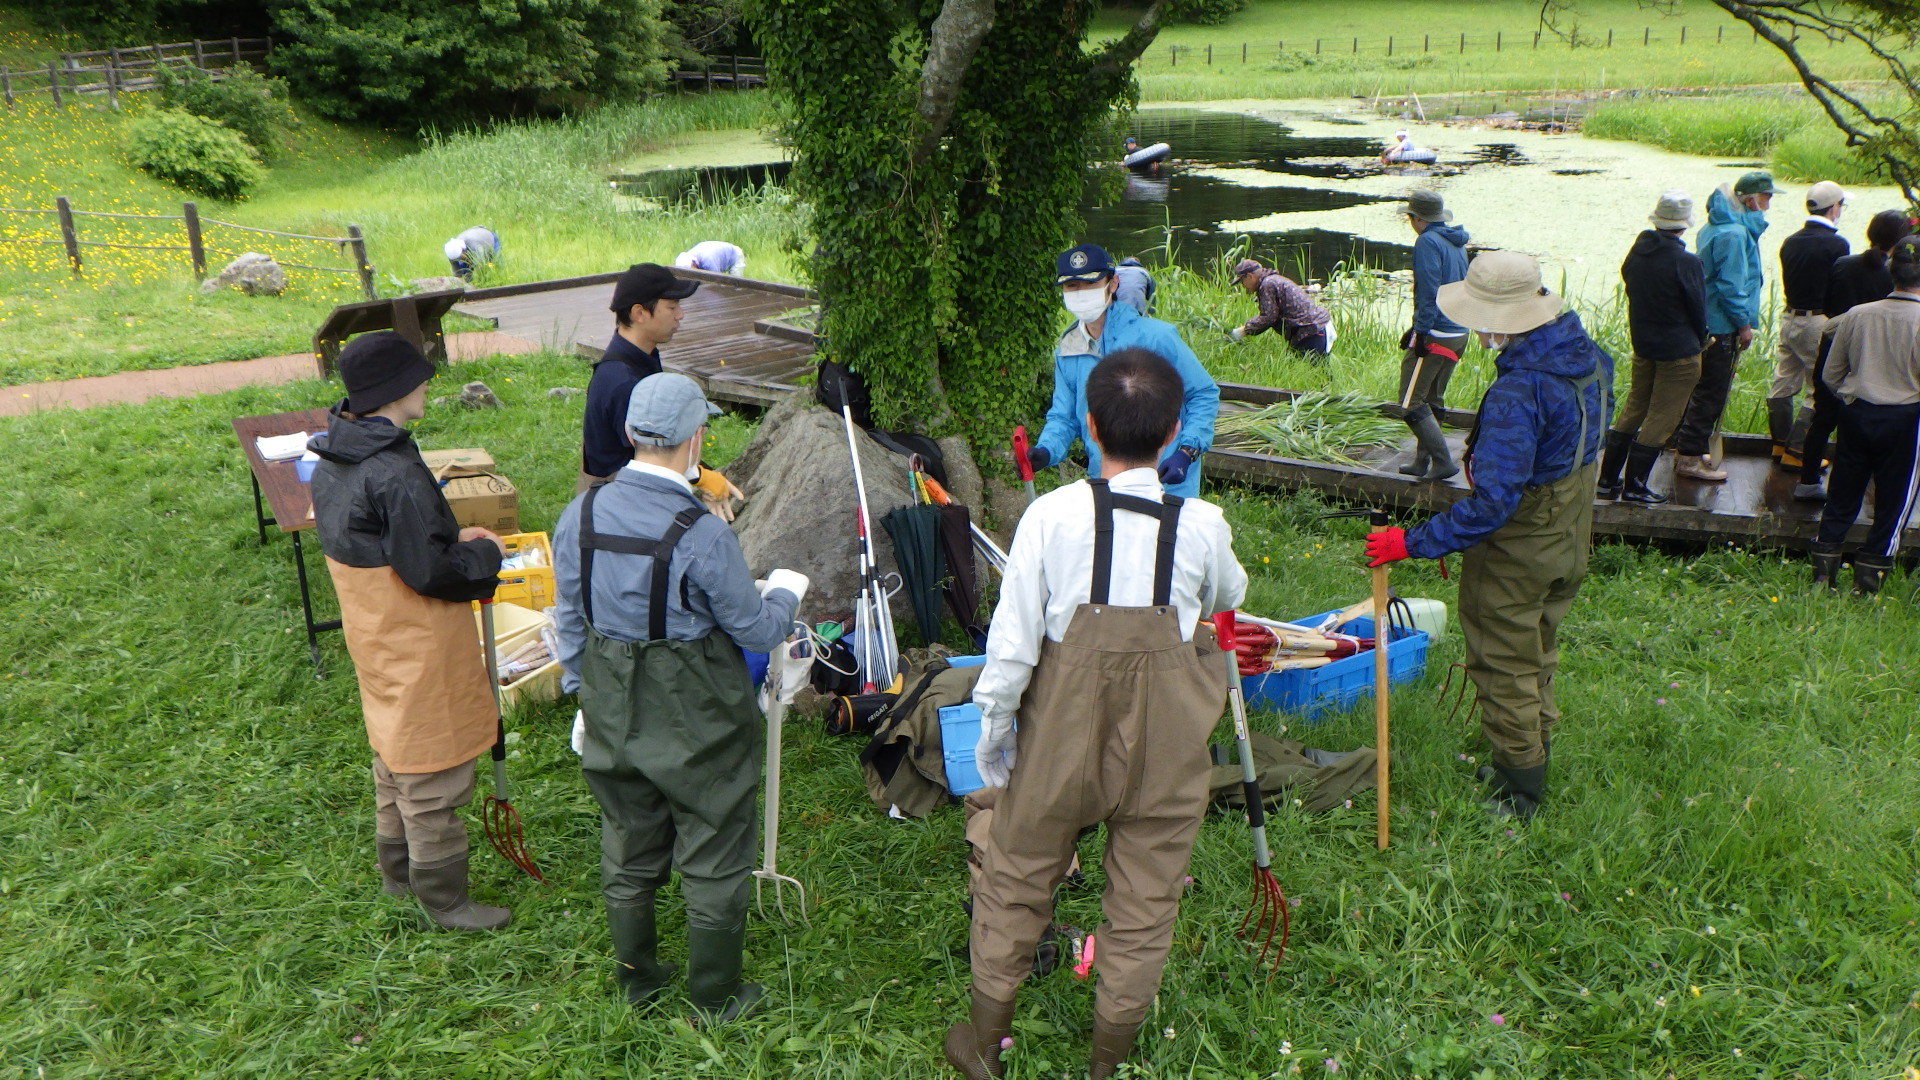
x,y
428,62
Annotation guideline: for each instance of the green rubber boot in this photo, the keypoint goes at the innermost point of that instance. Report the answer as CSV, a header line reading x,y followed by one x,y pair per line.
x,y
714,960
636,944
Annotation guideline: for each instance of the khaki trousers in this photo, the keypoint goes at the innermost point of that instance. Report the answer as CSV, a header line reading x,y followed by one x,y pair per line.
x,y
1796,354
424,810
1113,729
1657,398
1515,588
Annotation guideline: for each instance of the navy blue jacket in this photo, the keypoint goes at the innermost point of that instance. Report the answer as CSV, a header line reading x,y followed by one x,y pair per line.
x,y
1529,422
1439,258
603,432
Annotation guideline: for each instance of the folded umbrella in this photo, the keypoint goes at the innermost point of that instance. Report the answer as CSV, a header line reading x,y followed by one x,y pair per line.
x,y
915,531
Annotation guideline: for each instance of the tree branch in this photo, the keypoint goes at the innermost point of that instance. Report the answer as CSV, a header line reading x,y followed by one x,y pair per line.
x,y
1118,55
957,33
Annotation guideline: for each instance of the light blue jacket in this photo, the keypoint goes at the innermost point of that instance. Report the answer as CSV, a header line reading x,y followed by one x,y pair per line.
x,y
1126,328
1729,249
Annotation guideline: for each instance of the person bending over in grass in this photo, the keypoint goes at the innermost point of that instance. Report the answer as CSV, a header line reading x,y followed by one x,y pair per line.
x,y
1528,524
407,574
1093,647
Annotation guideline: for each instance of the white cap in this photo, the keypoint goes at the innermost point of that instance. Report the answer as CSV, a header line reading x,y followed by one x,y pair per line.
x,y
1824,195
455,248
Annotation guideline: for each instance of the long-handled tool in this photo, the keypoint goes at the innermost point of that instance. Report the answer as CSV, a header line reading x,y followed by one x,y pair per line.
x,y
1022,461
497,815
874,618
777,691
1268,913
1383,644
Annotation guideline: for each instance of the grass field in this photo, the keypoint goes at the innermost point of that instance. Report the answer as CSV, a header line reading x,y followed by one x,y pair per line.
x,y
1723,887
1428,58
541,185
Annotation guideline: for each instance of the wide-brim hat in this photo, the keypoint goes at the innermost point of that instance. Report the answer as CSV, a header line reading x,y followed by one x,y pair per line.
x,y
1673,211
1427,206
1501,294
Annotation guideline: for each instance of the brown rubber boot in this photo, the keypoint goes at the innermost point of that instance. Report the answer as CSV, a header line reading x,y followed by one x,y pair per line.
x,y
974,1047
1112,1043
393,865
442,892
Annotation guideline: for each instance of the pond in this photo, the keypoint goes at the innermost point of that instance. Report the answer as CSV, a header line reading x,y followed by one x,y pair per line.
x,y
1301,181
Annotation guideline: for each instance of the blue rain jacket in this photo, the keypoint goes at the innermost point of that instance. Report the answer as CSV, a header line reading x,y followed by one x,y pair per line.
x,y
1439,258
1729,248
1126,328
1529,422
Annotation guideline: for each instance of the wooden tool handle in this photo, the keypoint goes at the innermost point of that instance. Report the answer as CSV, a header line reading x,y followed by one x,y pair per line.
x,y
1382,640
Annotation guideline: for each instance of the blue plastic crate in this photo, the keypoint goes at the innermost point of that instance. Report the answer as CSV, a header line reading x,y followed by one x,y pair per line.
x,y
1311,693
959,732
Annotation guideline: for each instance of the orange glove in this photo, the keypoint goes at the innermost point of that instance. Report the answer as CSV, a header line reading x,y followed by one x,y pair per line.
x,y
1386,545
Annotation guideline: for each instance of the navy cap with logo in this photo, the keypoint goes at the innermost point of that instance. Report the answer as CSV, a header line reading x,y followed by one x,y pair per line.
x,y
643,283
1088,262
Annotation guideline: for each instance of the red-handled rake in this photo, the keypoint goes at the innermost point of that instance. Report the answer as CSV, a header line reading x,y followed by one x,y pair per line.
x,y
1267,915
497,815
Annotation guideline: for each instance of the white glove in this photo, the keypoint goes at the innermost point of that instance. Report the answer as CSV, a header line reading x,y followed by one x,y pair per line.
x,y
793,581
579,739
993,754
1237,333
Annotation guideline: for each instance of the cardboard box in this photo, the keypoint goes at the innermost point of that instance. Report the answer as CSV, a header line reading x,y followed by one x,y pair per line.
x,y
477,494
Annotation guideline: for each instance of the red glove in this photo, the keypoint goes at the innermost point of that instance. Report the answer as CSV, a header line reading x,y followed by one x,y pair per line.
x,y
1386,545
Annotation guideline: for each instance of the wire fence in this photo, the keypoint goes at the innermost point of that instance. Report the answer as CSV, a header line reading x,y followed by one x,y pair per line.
x,y
1394,45
116,71
66,234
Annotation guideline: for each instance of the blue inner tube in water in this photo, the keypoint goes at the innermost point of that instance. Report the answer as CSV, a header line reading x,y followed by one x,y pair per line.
x,y
1147,155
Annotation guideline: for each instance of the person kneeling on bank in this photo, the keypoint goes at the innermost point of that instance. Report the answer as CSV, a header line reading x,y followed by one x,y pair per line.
x,y
656,604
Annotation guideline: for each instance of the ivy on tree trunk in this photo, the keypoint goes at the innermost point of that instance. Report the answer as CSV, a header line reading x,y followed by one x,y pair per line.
x,y
941,148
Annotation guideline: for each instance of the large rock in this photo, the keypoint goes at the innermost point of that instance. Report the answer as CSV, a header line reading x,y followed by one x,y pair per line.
x,y
253,273
800,508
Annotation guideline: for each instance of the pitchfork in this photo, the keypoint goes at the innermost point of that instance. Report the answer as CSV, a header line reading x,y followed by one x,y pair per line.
x,y
497,815
795,654
1268,913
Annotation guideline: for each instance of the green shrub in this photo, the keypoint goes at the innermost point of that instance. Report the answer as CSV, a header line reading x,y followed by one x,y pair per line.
x,y
1206,12
243,99
194,153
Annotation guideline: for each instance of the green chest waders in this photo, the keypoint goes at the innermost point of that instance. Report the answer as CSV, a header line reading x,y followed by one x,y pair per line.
x,y
672,754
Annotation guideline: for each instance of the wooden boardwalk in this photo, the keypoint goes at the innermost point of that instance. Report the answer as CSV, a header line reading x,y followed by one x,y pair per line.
x,y
724,341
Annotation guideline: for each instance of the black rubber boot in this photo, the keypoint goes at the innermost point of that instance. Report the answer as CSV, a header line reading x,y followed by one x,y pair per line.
x,y
1780,430
1421,459
442,892
1516,792
1869,573
1112,1044
636,943
714,960
1640,461
974,1047
1433,445
393,865
1826,561
1611,460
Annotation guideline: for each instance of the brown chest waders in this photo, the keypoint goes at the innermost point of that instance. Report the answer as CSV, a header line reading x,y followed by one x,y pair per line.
x,y
1113,729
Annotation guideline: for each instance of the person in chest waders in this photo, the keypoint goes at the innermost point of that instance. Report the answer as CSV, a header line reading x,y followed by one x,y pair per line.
x,y
1093,647
406,574
1528,524
656,603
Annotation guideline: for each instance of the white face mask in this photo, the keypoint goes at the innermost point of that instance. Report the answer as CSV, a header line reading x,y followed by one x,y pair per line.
x,y
1087,305
692,472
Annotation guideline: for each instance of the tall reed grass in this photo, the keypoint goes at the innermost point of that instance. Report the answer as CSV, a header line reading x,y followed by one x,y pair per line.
x,y
1788,132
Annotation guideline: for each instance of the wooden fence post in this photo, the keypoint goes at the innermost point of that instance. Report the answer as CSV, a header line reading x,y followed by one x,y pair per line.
x,y
1316,46
53,83
199,54
1463,44
190,214
1646,36
1173,56
6,82
1243,51
359,245
1683,35
1389,44
1720,35
1497,36
1426,43
67,234
1609,38
236,51
1356,46
1536,39
1209,54
113,88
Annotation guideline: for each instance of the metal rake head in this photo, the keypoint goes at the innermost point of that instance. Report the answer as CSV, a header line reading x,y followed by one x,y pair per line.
x,y
1266,917
778,883
502,824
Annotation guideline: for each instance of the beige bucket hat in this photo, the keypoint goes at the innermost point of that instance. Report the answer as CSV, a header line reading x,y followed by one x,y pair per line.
x,y
1501,294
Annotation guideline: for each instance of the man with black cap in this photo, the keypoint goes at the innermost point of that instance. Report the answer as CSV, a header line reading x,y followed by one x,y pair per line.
x,y
646,314
1100,328
406,574
656,603
1434,342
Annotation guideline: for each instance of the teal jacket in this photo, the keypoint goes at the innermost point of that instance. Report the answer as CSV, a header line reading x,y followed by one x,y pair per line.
x,y
1729,248
1126,328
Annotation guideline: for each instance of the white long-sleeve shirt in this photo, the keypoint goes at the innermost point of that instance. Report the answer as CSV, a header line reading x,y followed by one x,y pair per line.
x,y
1050,574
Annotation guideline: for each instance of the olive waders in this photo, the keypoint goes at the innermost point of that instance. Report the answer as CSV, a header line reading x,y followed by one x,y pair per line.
x,y
1113,728
672,755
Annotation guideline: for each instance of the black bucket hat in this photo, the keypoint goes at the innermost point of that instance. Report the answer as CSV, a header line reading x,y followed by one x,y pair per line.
x,y
381,368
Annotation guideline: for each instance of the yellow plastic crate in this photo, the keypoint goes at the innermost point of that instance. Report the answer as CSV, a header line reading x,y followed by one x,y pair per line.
x,y
514,626
540,684
532,586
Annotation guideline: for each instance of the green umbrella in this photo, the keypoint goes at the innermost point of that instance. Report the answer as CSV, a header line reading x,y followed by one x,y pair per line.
x,y
916,551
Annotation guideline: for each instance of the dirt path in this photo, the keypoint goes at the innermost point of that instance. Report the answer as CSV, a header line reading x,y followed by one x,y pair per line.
x,y
136,386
